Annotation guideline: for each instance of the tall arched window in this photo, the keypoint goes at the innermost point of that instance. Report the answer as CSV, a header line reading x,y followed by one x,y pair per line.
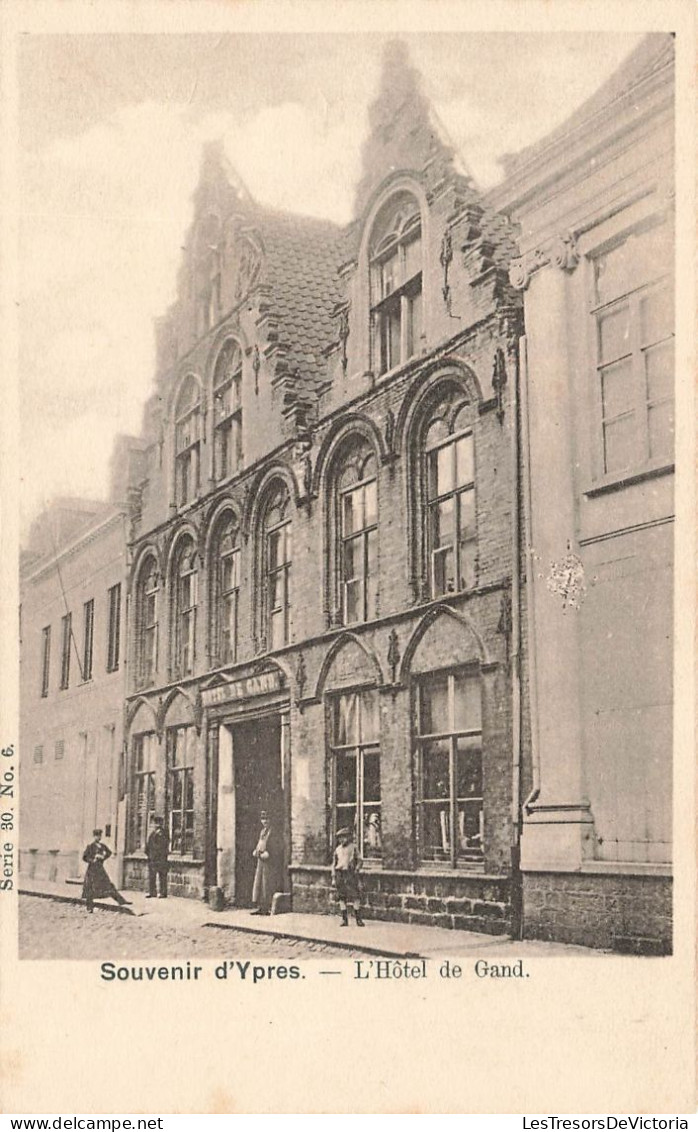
x,y
396,281
147,623
227,412
277,567
188,442
185,602
450,499
357,528
226,592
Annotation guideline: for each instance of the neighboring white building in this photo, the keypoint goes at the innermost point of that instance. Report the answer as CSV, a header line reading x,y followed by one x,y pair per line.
x,y
594,202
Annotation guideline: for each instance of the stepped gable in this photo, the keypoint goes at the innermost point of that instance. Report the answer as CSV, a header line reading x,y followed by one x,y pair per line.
x,y
403,132
406,134
655,52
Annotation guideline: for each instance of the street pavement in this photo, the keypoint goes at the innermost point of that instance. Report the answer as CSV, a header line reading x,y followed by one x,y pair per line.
x,y
146,927
51,929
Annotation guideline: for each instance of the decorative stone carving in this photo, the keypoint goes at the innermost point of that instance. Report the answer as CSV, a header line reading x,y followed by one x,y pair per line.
x,y
566,580
301,679
343,335
389,431
445,259
564,252
499,380
393,654
561,252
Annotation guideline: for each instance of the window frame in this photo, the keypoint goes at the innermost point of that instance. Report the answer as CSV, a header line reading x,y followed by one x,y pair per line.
x,y
113,627
185,616
188,451
643,464
66,635
399,302
282,528
143,783
360,460
45,660
227,527
186,771
473,858
227,430
456,493
88,614
358,751
147,630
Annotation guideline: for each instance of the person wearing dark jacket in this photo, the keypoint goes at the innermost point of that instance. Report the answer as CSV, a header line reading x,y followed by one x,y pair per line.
x,y
156,850
97,884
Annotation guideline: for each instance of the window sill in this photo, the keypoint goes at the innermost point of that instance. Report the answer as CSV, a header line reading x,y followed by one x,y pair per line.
x,y
616,481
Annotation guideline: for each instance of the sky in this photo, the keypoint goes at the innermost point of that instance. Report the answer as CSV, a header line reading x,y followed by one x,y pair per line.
x,y
111,131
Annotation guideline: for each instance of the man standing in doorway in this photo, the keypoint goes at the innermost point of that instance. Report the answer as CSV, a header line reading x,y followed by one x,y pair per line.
x,y
263,888
156,850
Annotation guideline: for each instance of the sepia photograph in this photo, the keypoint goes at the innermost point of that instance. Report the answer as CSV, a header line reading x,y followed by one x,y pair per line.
x,y
346,577
346,459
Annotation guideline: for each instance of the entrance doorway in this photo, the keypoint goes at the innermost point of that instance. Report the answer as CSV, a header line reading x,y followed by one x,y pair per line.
x,y
257,749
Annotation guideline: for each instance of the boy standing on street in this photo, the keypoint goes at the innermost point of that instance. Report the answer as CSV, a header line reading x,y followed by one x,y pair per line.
x,y
346,866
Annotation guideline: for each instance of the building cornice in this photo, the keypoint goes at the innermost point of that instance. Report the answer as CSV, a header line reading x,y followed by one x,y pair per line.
x,y
89,536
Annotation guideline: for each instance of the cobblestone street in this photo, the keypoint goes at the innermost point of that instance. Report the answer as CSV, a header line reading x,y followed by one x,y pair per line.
x,y
52,930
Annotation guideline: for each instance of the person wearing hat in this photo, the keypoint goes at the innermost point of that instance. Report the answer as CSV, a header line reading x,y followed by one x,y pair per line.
x,y
97,883
156,850
346,866
262,888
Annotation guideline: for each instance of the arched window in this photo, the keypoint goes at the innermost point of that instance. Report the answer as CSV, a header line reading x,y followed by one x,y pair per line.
x,y
355,768
357,527
449,746
188,442
147,623
227,412
450,500
226,592
277,568
395,252
185,601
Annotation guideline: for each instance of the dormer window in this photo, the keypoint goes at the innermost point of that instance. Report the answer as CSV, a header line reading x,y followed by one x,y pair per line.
x,y
188,442
396,282
227,412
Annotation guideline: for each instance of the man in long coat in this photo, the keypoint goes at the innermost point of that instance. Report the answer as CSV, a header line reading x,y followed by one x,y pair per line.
x,y
157,850
97,884
263,886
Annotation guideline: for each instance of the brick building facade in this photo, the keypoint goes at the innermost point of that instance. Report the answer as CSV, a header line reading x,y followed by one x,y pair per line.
x,y
321,587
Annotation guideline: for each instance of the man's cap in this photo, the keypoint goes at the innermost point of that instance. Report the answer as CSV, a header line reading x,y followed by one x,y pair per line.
x,y
344,833
96,832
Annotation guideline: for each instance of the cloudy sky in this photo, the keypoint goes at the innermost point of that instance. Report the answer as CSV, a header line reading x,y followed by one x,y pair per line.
x,y
111,129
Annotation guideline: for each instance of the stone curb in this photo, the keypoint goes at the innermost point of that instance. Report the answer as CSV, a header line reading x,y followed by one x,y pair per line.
x,y
60,898
345,945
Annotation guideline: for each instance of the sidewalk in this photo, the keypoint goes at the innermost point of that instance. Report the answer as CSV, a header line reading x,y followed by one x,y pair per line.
x,y
378,937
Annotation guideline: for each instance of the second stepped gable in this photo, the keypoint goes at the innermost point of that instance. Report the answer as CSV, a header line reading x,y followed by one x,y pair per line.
x,y
424,259
241,353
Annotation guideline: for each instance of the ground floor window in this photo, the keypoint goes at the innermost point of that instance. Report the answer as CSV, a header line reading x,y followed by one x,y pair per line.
x,y
356,784
142,789
449,747
181,749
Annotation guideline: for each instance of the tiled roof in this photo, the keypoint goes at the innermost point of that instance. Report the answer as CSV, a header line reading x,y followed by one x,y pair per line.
x,y
302,256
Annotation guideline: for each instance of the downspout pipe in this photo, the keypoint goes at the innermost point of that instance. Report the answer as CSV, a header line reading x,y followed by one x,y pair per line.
x,y
530,581
515,658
